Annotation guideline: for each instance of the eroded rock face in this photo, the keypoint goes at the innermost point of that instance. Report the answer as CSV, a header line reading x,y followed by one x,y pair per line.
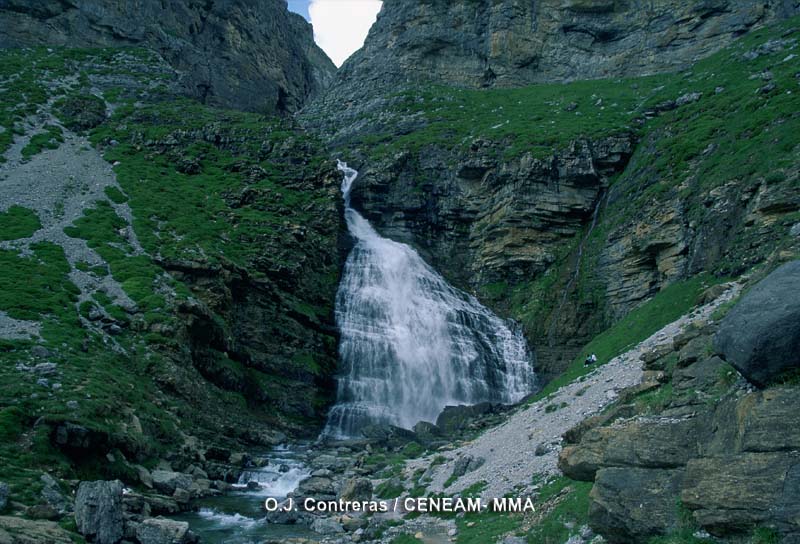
x,y
489,220
725,452
246,54
760,336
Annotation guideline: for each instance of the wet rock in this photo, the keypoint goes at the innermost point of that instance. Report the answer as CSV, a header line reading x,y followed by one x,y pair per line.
x,y
316,486
356,489
167,481
98,511
454,418
760,335
164,531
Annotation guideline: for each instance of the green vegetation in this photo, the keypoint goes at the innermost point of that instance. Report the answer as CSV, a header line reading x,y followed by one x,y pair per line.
x,y
390,489
566,503
406,539
483,527
664,308
51,138
18,222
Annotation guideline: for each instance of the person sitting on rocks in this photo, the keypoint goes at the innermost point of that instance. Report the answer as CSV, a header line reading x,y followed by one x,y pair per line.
x,y
590,360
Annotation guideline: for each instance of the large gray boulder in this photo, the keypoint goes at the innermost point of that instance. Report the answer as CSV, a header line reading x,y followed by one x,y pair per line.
x,y
760,336
98,511
164,531
167,481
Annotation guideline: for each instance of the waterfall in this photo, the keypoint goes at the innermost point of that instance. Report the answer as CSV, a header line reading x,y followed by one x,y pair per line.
x,y
411,344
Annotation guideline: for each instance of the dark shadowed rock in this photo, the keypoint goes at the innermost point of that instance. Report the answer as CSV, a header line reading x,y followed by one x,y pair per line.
x,y
760,336
356,489
732,493
167,481
632,505
247,54
98,511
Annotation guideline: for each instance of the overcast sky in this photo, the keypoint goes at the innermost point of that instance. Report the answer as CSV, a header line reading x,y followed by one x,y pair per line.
x,y
340,26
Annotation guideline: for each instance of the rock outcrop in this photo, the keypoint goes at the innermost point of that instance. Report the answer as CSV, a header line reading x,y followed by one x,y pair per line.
x,y
98,511
705,451
760,337
244,54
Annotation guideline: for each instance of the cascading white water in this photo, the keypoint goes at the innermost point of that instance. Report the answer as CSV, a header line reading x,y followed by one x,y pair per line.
x,y
411,344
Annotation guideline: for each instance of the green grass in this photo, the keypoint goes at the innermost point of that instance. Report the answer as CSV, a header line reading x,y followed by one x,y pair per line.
x,y
664,308
572,508
406,539
51,138
483,527
18,222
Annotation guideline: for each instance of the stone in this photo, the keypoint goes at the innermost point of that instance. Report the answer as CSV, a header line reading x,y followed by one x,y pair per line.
x,y
315,486
164,531
51,493
4,493
356,489
18,530
760,335
43,511
98,511
144,475
466,463
167,481
694,350
454,418
326,526
634,504
730,494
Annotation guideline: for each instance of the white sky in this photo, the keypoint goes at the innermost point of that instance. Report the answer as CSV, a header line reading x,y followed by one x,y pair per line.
x,y
340,26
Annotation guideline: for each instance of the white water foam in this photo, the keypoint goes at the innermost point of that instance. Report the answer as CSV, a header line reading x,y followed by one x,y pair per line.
x,y
411,344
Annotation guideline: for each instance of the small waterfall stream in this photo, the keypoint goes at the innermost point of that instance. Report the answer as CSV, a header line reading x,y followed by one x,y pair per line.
x,y
411,344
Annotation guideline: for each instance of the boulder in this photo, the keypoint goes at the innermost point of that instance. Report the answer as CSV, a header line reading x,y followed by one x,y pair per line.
x,y
326,526
454,418
164,531
356,489
167,481
634,504
51,493
760,336
315,486
730,494
98,511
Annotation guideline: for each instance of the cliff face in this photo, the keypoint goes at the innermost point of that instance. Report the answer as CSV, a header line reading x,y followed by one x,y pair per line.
x,y
484,43
244,54
512,43
566,205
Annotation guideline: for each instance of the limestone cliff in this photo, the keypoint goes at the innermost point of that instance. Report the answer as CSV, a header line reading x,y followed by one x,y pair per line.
x,y
566,205
244,54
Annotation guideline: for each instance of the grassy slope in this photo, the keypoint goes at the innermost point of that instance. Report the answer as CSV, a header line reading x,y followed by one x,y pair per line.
x,y
105,381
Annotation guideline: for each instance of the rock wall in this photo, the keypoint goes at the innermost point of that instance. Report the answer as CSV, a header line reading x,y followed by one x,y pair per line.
x,y
700,447
512,43
244,54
